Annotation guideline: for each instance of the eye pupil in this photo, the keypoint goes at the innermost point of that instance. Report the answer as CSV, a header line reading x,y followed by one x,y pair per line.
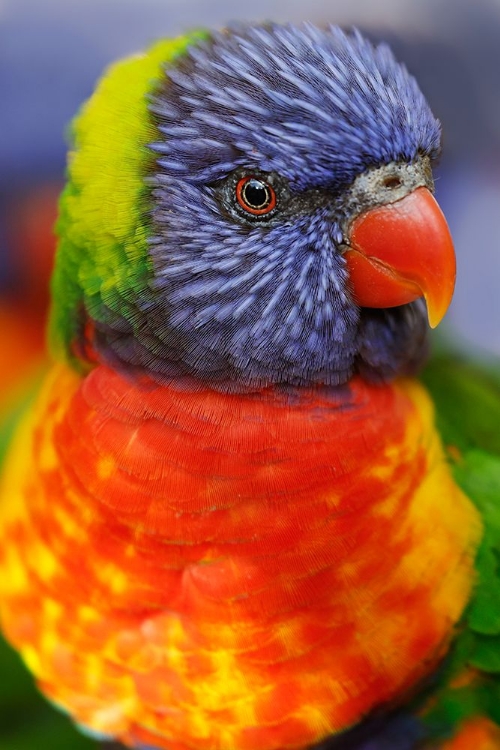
x,y
255,196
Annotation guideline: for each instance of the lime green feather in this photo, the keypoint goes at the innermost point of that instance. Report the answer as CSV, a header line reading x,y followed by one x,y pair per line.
x,y
102,259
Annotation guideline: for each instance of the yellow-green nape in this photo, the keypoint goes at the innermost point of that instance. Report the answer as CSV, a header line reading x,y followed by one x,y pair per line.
x,y
102,261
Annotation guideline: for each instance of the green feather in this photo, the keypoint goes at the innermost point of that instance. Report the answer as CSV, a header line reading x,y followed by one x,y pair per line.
x,y
102,263
467,399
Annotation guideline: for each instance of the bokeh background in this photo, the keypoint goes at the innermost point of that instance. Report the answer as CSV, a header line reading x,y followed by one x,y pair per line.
x,y
51,53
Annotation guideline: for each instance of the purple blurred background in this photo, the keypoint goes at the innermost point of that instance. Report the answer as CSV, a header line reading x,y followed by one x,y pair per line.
x,y
51,53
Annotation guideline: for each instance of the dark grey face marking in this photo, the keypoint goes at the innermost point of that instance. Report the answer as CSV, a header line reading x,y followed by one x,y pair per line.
x,y
379,186
376,186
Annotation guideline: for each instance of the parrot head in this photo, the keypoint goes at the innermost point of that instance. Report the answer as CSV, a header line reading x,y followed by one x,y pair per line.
x,y
254,207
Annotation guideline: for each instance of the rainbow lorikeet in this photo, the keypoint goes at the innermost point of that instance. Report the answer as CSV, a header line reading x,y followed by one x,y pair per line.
x,y
228,520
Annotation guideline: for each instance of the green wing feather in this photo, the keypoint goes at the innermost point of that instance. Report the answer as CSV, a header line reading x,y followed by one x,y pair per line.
x,y
467,399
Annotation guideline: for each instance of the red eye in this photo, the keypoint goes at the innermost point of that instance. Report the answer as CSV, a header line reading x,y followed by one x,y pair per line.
x,y
255,196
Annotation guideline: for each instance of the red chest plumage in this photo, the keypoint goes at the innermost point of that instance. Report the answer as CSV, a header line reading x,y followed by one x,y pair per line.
x,y
246,571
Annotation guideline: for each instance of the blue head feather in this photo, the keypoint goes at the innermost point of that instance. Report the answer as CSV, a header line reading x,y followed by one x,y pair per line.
x,y
238,303
316,106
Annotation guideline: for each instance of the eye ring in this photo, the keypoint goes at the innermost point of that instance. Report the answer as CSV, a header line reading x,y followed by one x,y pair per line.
x,y
255,195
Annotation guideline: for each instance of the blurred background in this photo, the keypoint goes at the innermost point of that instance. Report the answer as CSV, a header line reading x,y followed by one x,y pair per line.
x,y
51,53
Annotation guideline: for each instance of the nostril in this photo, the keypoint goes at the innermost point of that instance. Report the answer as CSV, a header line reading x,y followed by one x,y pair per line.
x,y
392,182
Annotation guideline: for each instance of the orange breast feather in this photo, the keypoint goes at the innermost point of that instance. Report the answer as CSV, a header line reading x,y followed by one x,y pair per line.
x,y
249,572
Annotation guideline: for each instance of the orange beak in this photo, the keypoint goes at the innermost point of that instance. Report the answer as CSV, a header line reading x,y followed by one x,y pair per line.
x,y
402,251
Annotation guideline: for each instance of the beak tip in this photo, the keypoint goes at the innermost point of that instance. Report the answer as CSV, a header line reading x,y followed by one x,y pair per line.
x,y
438,301
435,315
